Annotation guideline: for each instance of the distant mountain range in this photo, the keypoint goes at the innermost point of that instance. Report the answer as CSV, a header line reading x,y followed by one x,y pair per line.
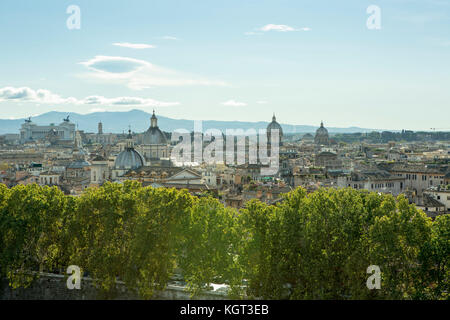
x,y
118,122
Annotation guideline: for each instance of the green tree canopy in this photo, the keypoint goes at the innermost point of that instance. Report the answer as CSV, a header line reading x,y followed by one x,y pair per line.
x,y
308,246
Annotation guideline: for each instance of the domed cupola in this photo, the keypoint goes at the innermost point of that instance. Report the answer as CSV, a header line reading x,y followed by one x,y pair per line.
x,y
154,135
129,159
322,136
274,125
79,161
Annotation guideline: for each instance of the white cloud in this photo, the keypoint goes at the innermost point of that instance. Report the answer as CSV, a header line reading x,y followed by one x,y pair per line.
x,y
282,28
115,65
140,74
25,94
169,38
233,103
133,45
277,27
125,101
41,96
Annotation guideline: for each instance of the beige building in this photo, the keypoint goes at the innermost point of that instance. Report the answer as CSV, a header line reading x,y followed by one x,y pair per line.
x,y
100,172
49,179
373,181
441,195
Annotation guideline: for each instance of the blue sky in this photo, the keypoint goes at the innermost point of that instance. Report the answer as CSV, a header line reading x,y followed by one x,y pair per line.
x,y
306,61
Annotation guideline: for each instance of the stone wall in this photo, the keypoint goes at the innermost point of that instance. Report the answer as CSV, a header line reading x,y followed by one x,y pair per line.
x,y
53,287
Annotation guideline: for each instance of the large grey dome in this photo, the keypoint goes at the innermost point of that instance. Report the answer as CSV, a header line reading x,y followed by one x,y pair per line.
x,y
154,135
274,125
321,135
78,164
129,159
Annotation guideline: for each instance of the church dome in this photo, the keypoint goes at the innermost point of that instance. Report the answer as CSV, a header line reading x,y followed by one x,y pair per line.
x,y
154,135
129,159
321,135
274,125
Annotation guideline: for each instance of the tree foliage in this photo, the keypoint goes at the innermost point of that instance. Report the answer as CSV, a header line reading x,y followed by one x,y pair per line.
x,y
208,252
30,224
126,232
309,246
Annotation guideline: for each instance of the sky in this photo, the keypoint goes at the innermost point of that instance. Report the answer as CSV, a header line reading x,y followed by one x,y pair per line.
x,y
307,61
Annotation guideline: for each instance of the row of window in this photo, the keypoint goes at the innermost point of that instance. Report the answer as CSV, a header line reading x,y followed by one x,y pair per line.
x,y
48,180
382,185
410,176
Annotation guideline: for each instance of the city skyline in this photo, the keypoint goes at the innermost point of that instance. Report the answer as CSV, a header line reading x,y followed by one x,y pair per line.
x,y
209,61
139,120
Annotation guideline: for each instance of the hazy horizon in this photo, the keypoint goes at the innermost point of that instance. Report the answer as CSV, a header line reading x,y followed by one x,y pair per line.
x,y
231,61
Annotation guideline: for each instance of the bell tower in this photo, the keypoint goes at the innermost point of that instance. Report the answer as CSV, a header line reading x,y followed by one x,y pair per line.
x,y
153,121
130,142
